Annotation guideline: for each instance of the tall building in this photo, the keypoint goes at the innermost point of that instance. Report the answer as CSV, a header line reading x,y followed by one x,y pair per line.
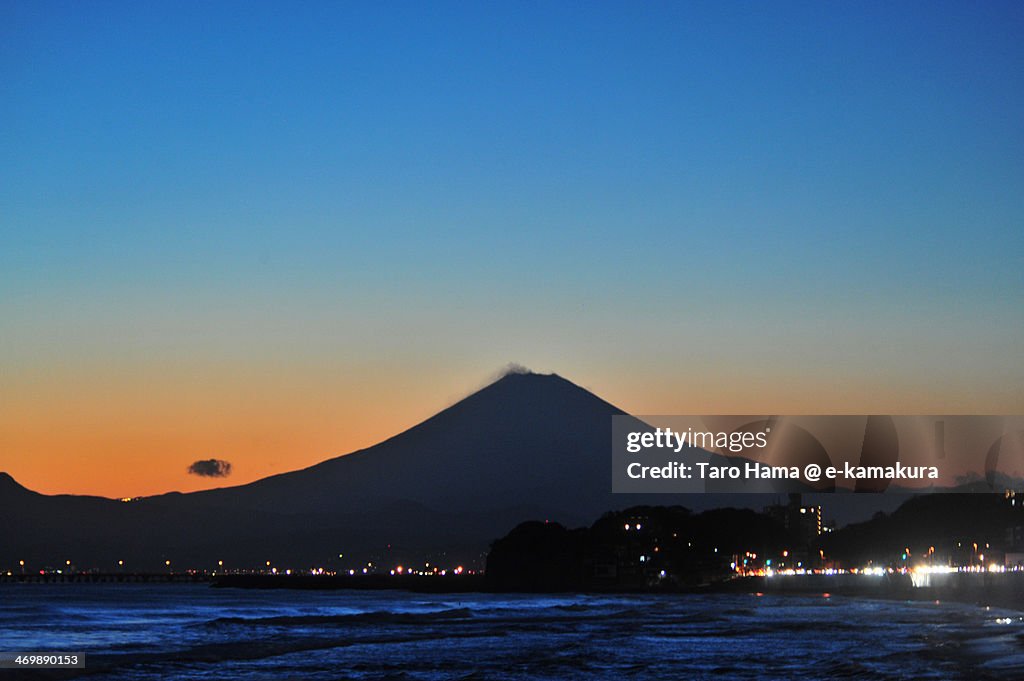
x,y
803,522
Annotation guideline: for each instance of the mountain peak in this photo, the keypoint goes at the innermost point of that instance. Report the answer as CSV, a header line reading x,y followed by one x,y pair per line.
x,y
526,375
536,389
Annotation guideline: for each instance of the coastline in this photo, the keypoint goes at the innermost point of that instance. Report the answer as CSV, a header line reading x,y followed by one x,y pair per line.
x,y
1005,590
999,590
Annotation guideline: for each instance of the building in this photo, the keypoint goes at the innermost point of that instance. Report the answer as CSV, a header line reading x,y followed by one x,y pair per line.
x,y
802,522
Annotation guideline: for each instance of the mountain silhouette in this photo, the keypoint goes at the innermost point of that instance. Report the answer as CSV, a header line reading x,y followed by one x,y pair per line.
x,y
515,442
526,446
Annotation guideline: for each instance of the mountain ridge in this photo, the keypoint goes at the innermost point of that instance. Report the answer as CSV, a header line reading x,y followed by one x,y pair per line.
x,y
527,445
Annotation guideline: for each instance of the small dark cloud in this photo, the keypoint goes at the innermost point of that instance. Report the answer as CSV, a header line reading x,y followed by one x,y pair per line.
x,y
211,468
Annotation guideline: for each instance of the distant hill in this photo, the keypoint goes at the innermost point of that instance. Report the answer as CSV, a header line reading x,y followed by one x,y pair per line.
x,y
953,525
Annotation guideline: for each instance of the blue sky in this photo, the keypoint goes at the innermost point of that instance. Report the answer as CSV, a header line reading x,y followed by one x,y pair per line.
x,y
691,207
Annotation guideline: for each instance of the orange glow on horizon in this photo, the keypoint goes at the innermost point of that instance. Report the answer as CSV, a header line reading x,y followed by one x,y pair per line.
x,y
125,440
122,436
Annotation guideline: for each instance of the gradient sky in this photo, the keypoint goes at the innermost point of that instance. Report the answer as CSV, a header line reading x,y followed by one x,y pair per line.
x,y
274,233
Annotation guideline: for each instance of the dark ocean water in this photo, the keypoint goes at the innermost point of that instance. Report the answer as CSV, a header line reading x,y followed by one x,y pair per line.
x,y
196,632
